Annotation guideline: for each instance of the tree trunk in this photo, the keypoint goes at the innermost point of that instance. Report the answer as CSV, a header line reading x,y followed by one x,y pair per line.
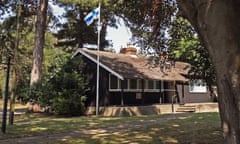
x,y
39,42
218,25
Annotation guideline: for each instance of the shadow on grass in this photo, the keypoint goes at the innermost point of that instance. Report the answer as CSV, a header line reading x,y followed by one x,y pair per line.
x,y
196,128
169,129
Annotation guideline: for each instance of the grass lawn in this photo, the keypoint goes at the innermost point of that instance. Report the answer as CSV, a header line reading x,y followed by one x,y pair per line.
x,y
196,128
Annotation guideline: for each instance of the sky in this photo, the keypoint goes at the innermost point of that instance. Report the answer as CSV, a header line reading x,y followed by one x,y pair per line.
x,y
120,36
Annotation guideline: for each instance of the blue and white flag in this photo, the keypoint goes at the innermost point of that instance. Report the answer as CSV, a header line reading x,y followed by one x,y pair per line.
x,y
94,14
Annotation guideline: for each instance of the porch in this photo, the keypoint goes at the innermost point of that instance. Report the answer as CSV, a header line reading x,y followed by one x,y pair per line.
x,y
156,109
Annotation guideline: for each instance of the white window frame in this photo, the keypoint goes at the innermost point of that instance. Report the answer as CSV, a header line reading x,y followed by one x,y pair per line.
x,y
154,86
118,84
138,88
197,89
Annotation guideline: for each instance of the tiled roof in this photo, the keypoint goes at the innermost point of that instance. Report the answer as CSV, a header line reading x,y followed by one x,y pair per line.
x,y
139,68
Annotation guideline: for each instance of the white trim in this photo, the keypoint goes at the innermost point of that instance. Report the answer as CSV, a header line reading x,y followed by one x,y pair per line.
x,y
146,89
133,90
202,88
100,64
110,84
139,86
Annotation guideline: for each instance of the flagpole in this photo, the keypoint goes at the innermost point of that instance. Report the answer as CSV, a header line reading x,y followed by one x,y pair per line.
x,y
98,46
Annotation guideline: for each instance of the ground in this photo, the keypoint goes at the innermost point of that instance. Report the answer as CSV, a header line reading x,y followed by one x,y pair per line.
x,y
80,133
174,128
171,129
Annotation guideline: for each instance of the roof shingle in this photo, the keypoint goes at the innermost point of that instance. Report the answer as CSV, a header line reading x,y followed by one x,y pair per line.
x,y
139,68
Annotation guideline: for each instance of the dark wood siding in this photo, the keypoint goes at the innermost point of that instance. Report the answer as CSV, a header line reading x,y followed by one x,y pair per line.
x,y
90,71
192,97
130,98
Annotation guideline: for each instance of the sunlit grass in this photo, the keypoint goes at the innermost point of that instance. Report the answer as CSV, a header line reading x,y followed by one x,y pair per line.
x,y
195,128
173,131
37,124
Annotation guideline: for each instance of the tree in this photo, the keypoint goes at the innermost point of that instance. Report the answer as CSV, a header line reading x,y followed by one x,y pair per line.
x,y
39,42
217,24
16,29
148,21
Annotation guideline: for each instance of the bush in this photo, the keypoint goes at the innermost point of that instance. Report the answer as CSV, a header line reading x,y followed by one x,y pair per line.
x,y
73,107
64,92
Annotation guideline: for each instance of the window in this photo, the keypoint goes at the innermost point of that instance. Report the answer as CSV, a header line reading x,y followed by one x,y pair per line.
x,y
139,84
133,84
158,84
197,86
150,84
125,84
113,82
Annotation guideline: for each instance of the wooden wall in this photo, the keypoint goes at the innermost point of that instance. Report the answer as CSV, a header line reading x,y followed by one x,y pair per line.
x,y
189,97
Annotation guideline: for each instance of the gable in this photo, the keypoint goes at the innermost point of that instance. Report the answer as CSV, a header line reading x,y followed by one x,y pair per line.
x,y
79,51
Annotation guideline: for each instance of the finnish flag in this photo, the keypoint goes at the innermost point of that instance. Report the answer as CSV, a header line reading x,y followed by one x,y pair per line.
x,y
94,14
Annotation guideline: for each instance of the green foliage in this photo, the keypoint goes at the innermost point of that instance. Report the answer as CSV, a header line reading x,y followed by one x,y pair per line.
x,y
185,46
62,91
148,21
184,41
69,106
17,40
70,89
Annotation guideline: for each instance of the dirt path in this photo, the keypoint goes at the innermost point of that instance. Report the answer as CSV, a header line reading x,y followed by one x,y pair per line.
x,y
43,139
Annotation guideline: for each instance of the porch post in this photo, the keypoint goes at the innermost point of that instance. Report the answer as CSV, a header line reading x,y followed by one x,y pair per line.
x,y
122,90
142,91
183,93
163,95
176,91
160,90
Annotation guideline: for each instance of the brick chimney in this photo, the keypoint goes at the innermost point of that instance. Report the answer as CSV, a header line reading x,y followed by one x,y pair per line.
x,y
130,50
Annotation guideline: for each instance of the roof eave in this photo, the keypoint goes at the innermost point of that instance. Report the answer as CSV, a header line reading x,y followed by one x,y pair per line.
x,y
79,51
